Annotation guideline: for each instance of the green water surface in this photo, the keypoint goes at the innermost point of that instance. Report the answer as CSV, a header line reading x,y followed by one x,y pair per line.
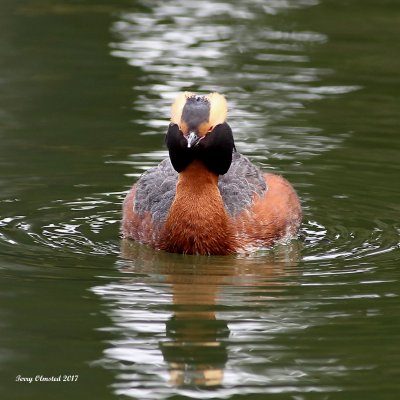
x,y
313,88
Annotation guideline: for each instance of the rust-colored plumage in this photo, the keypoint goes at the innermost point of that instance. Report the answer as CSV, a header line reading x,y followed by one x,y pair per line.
x,y
196,211
197,221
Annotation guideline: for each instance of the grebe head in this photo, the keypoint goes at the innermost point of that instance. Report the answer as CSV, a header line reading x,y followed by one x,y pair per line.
x,y
198,131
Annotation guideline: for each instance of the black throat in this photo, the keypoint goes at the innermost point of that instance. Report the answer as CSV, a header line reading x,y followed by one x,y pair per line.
x,y
214,150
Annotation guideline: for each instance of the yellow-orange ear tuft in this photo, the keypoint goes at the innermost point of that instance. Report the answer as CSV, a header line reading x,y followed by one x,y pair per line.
x,y
177,107
218,108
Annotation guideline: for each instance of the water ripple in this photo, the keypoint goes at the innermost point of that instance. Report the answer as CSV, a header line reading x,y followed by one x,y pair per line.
x,y
91,222
341,242
191,46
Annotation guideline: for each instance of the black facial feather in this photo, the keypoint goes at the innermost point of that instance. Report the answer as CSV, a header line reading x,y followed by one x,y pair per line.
x,y
214,150
179,153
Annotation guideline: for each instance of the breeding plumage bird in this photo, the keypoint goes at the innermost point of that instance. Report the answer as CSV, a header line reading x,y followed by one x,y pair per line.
x,y
206,198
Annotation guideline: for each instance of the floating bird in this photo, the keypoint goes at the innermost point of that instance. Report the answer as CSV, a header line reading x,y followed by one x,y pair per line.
x,y
206,198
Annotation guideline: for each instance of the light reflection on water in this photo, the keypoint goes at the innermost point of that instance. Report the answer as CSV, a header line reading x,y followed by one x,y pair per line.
x,y
204,339
191,45
235,325
239,325
223,322
169,42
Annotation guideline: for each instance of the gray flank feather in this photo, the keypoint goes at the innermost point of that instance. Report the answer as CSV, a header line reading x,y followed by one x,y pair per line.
x,y
156,188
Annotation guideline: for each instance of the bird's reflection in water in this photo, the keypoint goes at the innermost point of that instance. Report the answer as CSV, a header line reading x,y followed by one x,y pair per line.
x,y
195,348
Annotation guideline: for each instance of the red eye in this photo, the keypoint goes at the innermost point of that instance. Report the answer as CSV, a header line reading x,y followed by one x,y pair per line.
x,y
210,128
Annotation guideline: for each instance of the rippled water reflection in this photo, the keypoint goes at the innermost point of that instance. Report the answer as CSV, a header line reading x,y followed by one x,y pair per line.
x,y
192,45
317,317
181,318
